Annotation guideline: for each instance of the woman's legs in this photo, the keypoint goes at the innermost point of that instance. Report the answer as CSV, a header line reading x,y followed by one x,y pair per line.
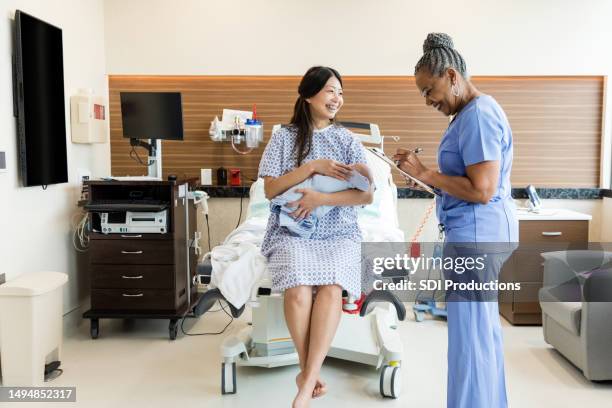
x,y
298,307
325,316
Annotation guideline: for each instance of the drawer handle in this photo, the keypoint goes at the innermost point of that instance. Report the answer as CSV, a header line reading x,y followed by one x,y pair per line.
x,y
131,236
132,252
552,233
131,277
128,295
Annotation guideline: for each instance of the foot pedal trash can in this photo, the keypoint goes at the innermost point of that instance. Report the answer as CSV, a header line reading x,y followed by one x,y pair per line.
x,y
31,309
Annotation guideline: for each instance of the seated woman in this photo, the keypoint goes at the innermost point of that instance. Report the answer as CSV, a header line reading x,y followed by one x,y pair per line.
x,y
329,260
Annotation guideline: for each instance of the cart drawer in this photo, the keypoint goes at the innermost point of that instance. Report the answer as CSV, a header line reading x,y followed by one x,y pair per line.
x,y
132,299
105,276
131,252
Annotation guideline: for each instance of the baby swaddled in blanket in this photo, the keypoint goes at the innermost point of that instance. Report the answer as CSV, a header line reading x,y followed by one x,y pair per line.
x,y
305,227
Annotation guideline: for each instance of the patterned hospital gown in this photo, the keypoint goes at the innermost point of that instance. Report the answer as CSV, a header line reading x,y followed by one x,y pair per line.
x,y
332,255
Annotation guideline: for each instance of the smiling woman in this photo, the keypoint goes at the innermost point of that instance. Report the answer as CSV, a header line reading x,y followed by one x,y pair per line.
x,y
475,206
328,260
437,71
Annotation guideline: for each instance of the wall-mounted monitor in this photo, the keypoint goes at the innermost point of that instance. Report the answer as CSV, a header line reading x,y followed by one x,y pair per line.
x,y
39,101
152,115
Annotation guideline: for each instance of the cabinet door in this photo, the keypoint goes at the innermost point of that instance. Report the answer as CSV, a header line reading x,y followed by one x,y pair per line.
x,y
525,264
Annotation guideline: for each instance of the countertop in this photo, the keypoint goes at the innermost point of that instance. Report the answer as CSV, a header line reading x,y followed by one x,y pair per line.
x,y
406,193
551,214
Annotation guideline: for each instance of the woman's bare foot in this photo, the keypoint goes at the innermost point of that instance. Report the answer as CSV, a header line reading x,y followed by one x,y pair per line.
x,y
320,387
305,392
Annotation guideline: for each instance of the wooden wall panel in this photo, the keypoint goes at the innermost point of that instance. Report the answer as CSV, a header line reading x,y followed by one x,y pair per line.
x,y
556,121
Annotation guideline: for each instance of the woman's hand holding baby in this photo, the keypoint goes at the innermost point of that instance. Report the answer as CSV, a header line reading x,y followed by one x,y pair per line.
x,y
310,200
331,168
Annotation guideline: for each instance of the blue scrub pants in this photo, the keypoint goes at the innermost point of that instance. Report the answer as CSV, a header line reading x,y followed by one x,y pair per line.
x,y
476,376
475,356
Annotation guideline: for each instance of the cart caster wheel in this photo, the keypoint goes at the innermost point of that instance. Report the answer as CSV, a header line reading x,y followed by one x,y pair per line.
x,y
419,317
228,378
390,381
173,329
94,328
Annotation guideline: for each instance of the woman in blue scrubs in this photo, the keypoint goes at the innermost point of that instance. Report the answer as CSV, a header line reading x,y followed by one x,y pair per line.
x,y
474,206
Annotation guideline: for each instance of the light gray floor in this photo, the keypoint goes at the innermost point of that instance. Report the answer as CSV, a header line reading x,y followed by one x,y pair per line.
x,y
133,364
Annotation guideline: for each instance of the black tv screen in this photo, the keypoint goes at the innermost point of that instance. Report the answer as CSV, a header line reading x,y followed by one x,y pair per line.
x,y
152,115
39,94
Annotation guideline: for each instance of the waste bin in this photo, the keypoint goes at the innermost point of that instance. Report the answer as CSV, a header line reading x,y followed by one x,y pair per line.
x,y
30,326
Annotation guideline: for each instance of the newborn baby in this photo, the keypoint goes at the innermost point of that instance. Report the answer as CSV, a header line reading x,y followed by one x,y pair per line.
x,y
323,184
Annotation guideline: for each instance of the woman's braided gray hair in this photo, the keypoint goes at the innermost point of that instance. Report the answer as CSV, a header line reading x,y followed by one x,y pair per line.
x,y
439,54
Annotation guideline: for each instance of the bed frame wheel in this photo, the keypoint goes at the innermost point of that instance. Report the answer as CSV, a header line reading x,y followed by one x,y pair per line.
x,y
228,378
390,381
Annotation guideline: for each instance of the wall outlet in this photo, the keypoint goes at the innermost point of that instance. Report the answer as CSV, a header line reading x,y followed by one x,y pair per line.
x,y
83,174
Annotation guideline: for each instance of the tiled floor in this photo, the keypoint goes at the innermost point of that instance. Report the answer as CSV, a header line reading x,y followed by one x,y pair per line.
x,y
133,364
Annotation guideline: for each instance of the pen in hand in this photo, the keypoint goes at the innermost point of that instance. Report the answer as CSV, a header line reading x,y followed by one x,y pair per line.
x,y
415,151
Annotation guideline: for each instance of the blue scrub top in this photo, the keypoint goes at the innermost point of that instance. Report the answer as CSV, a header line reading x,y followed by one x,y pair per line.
x,y
480,132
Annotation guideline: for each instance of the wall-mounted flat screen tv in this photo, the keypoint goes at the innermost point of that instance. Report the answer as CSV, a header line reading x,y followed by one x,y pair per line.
x,y
39,101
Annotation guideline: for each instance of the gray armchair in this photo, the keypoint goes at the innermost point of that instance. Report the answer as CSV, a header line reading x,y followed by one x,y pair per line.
x,y
577,309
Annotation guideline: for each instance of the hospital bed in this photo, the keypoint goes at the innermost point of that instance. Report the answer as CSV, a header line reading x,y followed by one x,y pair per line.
x,y
368,337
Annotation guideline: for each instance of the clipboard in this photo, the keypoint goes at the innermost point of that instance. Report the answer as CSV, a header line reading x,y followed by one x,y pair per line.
x,y
381,155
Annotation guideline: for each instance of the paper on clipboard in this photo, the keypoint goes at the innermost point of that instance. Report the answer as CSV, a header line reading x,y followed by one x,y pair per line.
x,y
381,155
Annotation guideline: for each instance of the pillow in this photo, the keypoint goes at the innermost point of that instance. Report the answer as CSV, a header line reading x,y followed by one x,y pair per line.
x,y
259,205
383,206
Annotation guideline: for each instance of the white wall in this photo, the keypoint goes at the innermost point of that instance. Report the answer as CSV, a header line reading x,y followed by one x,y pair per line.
x,y
36,224
359,37
362,37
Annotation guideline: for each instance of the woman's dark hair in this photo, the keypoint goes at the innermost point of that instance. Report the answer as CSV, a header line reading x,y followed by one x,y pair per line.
x,y
440,54
312,82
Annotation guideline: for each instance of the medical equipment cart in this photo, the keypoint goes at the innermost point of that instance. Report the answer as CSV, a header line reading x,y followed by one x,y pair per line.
x,y
142,275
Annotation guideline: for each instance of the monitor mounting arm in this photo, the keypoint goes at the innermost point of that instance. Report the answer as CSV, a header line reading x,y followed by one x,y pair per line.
x,y
154,168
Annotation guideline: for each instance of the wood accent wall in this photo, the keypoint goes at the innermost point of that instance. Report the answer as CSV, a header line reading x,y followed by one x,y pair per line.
x,y
556,121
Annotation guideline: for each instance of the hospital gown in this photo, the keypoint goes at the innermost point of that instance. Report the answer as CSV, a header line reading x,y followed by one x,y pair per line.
x,y
480,132
332,254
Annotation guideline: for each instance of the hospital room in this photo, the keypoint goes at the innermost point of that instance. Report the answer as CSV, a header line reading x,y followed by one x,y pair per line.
x,y
284,203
